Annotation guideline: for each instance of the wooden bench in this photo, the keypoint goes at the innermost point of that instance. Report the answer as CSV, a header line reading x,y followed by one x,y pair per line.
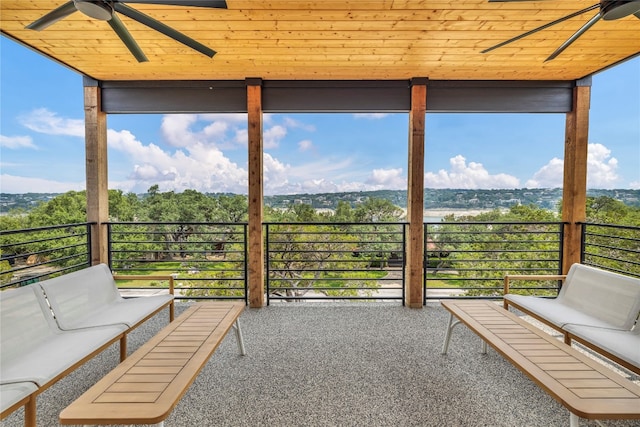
x,y
585,387
146,387
597,308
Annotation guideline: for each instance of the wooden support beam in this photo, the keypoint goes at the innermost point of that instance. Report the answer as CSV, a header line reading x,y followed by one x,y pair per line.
x,y
256,196
414,296
96,172
574,193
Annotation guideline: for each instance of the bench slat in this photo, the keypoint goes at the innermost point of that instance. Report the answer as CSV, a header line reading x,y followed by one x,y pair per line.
x,y
145,388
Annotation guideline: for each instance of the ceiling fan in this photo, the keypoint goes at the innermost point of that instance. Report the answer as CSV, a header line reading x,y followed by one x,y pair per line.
x,y
608,10
105,10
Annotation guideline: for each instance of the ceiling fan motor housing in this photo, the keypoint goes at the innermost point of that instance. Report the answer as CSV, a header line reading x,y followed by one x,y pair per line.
x,y
95,9
612,10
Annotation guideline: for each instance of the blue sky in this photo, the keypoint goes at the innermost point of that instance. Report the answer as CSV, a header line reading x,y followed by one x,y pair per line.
x,y
42,142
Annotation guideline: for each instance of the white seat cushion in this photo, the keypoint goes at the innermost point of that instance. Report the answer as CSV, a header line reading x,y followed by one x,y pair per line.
x,y
56,354
128,312
555,312
33,347
12,393
623,344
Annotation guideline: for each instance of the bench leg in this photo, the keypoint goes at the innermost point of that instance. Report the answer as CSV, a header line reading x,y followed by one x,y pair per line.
x,y
450,326
447,337
123,348
30,412
574,420
236,326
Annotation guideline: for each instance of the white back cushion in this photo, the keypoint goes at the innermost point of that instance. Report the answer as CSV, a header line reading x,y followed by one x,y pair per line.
x,y
74,297
25,321
608,296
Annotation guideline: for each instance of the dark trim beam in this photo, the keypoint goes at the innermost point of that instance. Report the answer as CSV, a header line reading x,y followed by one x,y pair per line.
x,y
307,96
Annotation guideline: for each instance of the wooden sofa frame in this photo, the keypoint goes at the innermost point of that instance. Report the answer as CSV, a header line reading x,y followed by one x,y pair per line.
x,y
597,308
47,334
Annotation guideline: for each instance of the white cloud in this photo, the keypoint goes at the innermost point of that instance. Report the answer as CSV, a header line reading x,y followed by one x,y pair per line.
x,y
198,166
16,142
275,174
634,185
175,129
387,179
601,170
44,121
601,167
183,130
548,176
305,145
370,116
291,123
272,136
468,176
21,184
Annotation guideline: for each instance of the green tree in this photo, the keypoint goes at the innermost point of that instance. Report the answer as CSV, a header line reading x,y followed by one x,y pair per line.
x,y
377,210
344,212
67,208
124,207
607,210
232,208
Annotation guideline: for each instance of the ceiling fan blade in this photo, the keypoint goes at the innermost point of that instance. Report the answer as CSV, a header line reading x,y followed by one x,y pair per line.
x,y
126,38
52,17
217,4
542,27
575,36
164,29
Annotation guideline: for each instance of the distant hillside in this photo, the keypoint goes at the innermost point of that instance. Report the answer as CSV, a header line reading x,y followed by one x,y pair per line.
x,y
545,198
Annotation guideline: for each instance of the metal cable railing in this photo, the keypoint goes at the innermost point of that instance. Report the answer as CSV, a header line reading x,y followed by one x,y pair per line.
x,y
470,259
347,261
33,254
207,260
320,261
611,247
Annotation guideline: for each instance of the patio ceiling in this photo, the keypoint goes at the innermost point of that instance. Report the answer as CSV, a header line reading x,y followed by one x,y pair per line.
x,y
334,40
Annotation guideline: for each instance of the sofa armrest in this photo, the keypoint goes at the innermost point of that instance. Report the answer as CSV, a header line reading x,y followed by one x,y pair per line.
x,y
170,278
146,277
509,277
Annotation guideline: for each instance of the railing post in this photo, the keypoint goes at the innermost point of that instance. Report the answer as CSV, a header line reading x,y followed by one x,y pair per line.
x,y
583,241
109,246
404,264
88,231
246,263
266,260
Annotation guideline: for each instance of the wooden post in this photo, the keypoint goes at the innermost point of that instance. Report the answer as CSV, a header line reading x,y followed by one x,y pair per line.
x,y
574,193
96,170
256,247
414,296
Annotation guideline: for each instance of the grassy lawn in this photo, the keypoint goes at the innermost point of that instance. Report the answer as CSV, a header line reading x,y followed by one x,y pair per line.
x,y
444,280
163,269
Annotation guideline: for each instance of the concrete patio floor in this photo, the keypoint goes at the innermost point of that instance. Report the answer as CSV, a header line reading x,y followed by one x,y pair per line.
x,y
340,364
